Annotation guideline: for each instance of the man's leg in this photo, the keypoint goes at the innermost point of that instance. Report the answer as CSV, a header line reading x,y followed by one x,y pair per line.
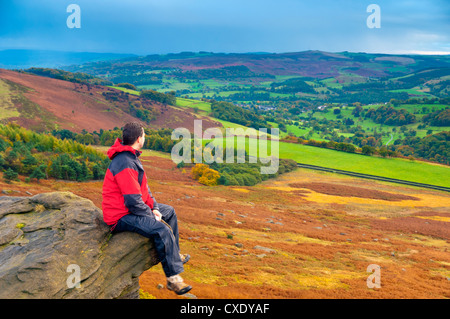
x,y
165,242
170,217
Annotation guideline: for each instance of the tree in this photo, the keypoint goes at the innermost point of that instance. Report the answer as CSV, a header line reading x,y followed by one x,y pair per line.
x,y
383,151
127,86
39,172
205,175
367,150
97,171
223,180
357,111
84,172
11,157
239,179
249,180
230,180
209,178
30,163
392,153
10,175
438,118
349,122
168,98
198,170
372,141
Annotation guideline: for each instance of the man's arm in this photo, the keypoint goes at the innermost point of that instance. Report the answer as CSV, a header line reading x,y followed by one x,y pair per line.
x,y
155,209
155,204
128,183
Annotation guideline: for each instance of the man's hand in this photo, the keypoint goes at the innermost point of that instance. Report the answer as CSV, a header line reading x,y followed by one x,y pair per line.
x,y
157,214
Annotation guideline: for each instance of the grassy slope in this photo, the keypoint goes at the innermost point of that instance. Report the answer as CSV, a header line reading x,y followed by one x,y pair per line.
x,y
7,108
415,171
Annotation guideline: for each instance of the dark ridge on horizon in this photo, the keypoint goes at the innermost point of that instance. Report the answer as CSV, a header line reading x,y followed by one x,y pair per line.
x,y
26,58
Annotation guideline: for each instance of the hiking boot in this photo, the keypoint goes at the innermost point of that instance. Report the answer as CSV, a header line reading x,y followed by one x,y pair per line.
x,y
185,258
177,285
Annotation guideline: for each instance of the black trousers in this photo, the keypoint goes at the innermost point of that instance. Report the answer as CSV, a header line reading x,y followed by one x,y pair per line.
x,y
164,234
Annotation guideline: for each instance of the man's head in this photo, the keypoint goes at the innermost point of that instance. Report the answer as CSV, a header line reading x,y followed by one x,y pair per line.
x,y
133,135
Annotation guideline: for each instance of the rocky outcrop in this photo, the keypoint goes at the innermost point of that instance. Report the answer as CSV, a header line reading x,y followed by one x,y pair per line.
x,y
56,245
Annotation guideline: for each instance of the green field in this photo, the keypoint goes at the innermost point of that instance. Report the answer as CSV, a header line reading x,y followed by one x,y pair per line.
x,y
415,171
412,92
129,91
204,106
331,82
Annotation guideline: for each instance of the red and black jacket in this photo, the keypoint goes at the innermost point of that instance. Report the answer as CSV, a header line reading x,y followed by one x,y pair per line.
x,y
125,188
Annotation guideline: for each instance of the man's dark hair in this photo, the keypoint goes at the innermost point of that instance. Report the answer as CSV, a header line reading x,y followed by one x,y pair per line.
x,y
131,132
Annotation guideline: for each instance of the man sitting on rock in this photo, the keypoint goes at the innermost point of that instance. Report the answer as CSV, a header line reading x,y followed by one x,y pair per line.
x,y
128,205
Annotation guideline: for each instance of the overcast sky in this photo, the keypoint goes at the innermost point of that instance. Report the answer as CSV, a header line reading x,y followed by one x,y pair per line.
x,y
169,26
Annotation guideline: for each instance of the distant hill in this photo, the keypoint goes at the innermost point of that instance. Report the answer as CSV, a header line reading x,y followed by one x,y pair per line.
x,y
315,64
43,104
280,80
22,59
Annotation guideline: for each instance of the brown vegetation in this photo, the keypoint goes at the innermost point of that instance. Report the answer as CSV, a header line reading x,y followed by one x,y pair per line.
x,y
351,191
46,103
274,240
